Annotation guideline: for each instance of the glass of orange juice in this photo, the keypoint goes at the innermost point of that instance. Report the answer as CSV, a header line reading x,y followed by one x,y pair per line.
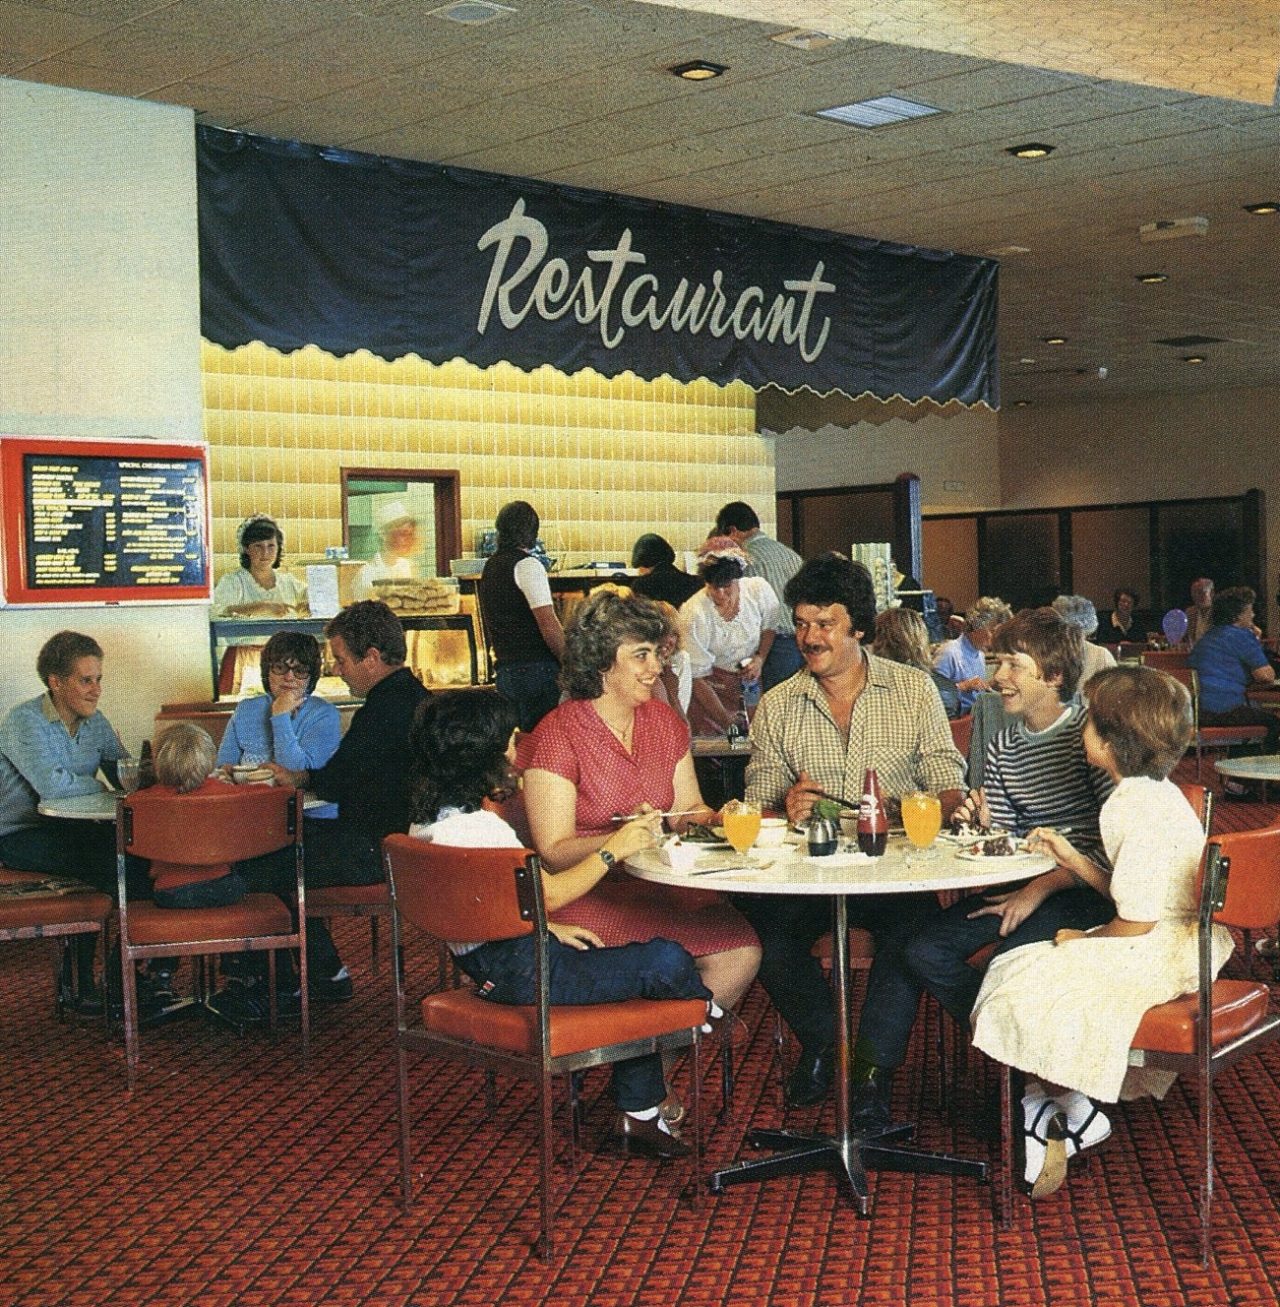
x,y
922,818
741,823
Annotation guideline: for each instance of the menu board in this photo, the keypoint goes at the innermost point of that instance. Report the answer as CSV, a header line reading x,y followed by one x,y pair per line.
x,y
88,521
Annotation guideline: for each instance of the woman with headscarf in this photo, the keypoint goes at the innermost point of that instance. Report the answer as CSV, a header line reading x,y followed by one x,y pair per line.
x,y
728,630
257,588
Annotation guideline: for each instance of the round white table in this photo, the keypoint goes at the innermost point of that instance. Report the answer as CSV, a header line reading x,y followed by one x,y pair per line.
x,y
788,870
1263,767
100,806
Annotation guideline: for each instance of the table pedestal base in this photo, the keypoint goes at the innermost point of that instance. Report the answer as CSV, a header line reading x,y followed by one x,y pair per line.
x,y
798,1153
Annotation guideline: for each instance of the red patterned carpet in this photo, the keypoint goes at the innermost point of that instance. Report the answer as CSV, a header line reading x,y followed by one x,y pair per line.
x,y
234,1175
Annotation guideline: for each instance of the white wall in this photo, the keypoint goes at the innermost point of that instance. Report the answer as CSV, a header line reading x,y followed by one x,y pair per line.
x,y
1159,447
955,457
100,336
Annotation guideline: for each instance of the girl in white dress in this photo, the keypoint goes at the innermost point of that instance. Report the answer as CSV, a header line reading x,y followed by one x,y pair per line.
x,y
1066,1012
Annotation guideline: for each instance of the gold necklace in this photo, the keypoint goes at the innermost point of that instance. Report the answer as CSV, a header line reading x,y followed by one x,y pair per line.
x,y
624,733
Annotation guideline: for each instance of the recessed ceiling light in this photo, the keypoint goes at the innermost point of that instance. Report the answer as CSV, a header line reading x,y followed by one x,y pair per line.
x,y
1026,359
1031,150
1022,403
698,70
1007,251
1265,206
1054,340
882,111
1151,278
1193,358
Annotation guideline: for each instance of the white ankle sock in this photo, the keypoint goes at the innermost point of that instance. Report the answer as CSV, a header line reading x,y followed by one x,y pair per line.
x,y
648,1114
1077,1106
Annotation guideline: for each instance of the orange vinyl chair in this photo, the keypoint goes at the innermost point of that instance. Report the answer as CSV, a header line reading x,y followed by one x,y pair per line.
x,y
490,894
372,901
1212,737
202,830
45,907
962,733
1165,659
1223,1021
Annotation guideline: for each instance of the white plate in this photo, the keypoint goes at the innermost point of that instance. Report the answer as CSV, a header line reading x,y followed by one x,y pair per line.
x,y
1010,859
949,837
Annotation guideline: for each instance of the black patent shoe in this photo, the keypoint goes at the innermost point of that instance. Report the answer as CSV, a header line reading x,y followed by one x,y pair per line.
x,y
87,1002
810,1081
869,1102
647,1139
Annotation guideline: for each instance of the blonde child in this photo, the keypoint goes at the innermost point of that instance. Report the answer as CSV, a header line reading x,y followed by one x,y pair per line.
x,y
1066,1012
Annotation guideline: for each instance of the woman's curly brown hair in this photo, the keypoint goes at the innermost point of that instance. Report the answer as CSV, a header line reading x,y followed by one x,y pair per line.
x,y
605,620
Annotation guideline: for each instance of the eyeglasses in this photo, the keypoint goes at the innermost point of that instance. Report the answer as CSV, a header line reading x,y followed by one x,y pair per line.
x,y
289,669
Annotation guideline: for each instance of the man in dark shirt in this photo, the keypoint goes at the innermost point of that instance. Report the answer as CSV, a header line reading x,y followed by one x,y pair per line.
x,y
368,777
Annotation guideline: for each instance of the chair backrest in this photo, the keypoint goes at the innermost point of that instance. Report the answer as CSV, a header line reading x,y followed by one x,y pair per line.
x,y
1165,659
1189,677
962,733
462,894
1200,797
201,829
1252,900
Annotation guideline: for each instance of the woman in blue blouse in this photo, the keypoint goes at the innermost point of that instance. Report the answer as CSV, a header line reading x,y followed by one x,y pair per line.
x,y
288,725
1229,658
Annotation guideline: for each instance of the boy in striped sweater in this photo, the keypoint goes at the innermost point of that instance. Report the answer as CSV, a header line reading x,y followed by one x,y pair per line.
x,y
1035,774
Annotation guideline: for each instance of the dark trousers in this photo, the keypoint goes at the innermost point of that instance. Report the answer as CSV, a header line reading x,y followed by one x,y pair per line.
x,y
783,661
334,854
504,973
534,688
935,958
789,927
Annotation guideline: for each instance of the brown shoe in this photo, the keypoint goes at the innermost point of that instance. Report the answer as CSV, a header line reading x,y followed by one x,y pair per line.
x,y
647,1139
672,1111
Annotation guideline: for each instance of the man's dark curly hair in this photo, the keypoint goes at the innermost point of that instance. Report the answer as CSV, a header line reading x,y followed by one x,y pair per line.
x,y
833,579
602,622
458,751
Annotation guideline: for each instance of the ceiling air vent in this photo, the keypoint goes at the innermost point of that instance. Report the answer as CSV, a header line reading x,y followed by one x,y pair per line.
x,y
1185,342
471,12
882,111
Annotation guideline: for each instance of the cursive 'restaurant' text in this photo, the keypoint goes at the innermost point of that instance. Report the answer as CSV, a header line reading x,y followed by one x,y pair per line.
x,y
603,293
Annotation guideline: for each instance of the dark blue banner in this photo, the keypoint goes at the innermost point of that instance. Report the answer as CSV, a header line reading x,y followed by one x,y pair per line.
x,y
302,245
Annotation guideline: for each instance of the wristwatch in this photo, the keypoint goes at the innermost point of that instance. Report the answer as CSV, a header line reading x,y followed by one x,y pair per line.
x,y
607,858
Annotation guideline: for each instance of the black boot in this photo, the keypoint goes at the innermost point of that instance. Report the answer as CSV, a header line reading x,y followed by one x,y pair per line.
x,y
810,1081
870,1091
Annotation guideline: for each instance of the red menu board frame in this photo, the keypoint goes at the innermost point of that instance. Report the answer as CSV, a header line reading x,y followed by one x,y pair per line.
x,y
16,513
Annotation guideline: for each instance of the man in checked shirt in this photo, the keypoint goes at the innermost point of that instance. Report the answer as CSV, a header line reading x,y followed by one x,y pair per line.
x,y
844,711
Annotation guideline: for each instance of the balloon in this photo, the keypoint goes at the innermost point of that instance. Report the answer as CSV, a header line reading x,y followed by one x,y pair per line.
x,y
1174,625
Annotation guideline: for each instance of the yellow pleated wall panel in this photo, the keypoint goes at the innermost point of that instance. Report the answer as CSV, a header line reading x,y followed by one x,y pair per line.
x,y
603,459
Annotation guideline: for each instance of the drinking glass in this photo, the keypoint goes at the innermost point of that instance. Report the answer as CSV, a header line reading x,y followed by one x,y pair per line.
x,y
127,774
741,823
922,818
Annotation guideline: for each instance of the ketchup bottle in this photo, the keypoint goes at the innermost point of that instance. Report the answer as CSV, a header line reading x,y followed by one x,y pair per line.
x,y
873,829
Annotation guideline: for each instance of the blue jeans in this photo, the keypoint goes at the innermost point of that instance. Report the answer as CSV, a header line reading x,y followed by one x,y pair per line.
x,y
534,688
224,892
935,956
504,973
784,661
